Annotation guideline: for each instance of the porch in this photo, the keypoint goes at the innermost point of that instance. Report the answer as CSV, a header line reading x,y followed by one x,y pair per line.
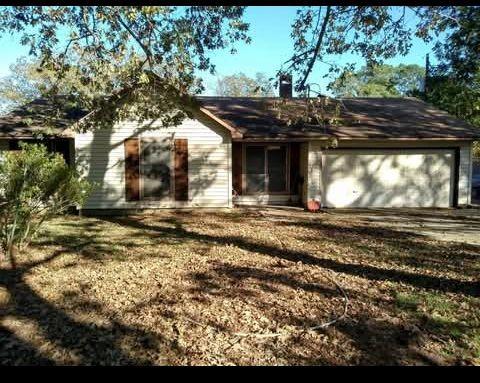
x,y
268,173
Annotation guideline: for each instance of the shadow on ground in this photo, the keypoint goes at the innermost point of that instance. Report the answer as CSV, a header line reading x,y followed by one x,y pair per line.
x,y
372,262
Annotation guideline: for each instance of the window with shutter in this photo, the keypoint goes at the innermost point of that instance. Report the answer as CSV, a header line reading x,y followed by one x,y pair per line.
x,y
155,165
148,164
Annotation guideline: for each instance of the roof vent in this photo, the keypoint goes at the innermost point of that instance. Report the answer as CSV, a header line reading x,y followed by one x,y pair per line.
x,y
285,86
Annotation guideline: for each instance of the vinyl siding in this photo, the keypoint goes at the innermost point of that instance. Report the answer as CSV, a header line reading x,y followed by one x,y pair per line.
x,y
314,171
304,170
100,158
465,175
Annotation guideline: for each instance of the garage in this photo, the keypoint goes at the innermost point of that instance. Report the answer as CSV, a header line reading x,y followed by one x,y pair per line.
x,y
388,178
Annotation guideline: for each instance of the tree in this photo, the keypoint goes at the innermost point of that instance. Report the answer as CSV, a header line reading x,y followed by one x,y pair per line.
x,y
34,186
454,84
114,50
28,81
19,87
240,85
375,33
380,81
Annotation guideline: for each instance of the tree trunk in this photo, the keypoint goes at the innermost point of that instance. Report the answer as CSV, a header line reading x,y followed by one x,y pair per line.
x,y
11,253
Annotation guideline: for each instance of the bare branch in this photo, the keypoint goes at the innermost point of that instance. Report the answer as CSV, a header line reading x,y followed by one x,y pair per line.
x,y
317,48
145,49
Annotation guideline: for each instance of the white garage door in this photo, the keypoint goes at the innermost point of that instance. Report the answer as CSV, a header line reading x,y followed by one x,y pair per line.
x,y
388,178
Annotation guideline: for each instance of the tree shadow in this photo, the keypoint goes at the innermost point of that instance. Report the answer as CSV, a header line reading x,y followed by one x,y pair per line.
x,y
90,343
420,280
377,340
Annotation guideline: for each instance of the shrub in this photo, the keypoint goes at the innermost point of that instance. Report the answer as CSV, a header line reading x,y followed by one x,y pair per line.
x,y
35,185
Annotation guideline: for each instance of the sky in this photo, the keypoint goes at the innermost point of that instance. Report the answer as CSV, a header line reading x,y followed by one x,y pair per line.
x,y
271,45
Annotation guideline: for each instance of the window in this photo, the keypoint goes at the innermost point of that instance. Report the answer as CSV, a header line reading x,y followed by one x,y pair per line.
x,y
255,169
155,165
266,169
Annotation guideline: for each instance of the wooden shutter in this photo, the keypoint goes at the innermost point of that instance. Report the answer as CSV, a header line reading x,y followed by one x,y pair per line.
x,y
132,169
181,169
294,166
237,160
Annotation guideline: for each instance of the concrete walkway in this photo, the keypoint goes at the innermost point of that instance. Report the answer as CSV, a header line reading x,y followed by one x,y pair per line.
x,y
460,225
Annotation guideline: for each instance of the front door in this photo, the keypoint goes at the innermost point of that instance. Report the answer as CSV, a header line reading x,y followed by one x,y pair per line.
x,y
276,168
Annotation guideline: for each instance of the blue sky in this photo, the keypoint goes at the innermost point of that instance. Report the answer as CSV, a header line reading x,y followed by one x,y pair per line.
x,y
271,45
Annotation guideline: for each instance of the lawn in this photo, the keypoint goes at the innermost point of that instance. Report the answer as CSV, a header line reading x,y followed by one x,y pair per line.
x,y
212,287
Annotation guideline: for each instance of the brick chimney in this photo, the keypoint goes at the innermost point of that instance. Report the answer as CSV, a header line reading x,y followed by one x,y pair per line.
x,y
285,85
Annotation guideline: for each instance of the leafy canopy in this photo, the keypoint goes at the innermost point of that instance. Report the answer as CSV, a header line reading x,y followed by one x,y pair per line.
x,y
375,33
240,85
454,84
380,81
116,50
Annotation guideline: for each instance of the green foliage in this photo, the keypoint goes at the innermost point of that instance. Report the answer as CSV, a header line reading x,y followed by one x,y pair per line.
x,y
380,81
454,84
375,33
240,85
459,50
110,50
459,98
407,301
34,186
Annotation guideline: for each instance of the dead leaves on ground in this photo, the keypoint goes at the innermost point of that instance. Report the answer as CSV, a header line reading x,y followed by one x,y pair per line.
x,y
174,288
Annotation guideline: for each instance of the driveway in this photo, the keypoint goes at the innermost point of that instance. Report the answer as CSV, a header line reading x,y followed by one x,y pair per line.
x,y
460,225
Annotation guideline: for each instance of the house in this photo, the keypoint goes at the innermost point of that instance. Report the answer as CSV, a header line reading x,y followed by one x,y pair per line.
x,y
383,152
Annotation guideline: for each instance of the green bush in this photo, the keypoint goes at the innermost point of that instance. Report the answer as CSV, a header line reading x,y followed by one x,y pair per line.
x,y
35,185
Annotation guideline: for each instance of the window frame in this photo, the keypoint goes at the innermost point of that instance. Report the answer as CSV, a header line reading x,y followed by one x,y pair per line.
x,y
171,165
265,146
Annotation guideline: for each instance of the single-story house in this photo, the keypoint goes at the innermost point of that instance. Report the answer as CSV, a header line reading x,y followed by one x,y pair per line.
x,y
389,152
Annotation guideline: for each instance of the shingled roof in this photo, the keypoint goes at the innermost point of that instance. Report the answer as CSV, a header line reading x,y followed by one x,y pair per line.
x,y
360,118
256,118
54,115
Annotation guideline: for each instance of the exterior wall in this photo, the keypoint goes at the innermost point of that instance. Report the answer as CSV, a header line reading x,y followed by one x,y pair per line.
x,y
316,161
304,171
465,175
100,156
266,199
314,171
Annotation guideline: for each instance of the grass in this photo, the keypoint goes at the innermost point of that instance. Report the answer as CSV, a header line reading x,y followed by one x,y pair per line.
x,y
175,287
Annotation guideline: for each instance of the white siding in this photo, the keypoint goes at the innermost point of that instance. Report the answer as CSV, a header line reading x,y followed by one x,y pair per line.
x,y
314,171
304,170
465,175
100,157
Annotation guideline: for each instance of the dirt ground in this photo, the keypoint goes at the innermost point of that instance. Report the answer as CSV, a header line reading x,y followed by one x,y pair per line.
x,y
211,287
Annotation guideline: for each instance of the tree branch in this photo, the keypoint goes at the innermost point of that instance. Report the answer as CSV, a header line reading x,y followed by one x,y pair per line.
x,y
317,48
137,39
